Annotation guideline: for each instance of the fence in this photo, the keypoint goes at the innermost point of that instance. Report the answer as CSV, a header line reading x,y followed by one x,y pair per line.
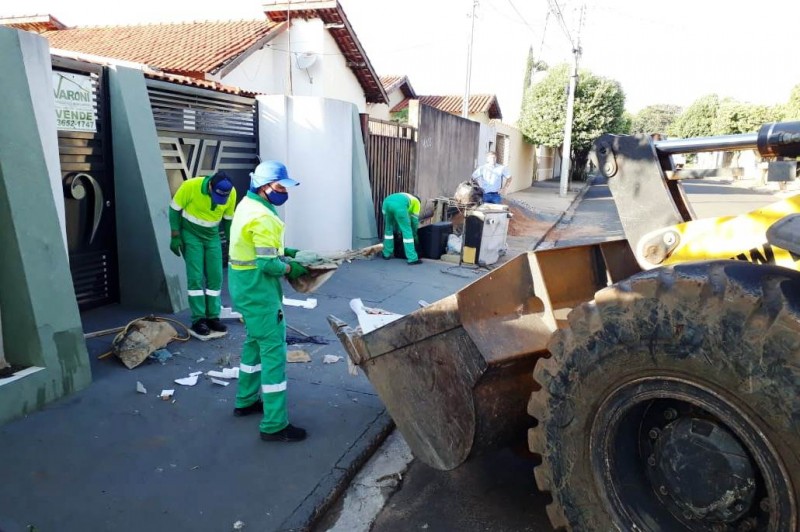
x,y
391,156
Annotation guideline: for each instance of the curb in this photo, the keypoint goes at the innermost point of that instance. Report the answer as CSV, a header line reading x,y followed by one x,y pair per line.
x,y
333,485
569,210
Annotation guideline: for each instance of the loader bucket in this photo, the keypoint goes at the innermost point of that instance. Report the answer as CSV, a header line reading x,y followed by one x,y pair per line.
x,y
456,375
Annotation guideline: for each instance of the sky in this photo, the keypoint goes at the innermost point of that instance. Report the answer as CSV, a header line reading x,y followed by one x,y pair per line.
x,y
670,52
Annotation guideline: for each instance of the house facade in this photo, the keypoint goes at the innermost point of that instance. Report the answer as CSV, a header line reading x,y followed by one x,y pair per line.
x,y
398,91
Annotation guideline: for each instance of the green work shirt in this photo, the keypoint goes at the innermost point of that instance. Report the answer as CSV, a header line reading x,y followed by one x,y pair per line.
x,y
256,248
193,210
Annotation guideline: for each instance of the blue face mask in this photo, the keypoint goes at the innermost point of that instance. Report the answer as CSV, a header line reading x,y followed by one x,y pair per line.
x,y
276,198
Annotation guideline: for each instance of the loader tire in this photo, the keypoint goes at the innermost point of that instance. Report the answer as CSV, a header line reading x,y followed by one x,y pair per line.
x,y
672,402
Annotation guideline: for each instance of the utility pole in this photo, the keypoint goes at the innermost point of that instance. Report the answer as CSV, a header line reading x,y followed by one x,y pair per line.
x,y
567,147
465,103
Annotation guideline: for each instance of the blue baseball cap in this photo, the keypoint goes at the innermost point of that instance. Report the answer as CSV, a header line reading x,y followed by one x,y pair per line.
x,y
221,187
271,172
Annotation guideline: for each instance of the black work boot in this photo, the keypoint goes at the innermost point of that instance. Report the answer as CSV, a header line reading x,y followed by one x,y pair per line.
x,y
289,434
200,328
216,325
255,408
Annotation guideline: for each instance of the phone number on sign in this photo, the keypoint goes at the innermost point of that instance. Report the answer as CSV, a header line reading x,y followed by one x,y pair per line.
x,y
76,124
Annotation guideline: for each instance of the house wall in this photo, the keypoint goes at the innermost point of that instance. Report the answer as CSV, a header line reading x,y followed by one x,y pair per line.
x,y
267,70
446,148
522,157
381,111
319,213
41,325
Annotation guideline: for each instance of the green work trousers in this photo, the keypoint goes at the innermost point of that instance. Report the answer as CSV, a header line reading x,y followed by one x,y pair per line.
x,y
397,218
263,369
203,257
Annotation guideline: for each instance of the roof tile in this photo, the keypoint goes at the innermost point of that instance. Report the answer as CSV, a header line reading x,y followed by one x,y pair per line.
x,y
189,47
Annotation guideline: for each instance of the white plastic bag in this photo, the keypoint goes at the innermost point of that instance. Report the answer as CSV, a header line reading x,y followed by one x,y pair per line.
x,y
454,244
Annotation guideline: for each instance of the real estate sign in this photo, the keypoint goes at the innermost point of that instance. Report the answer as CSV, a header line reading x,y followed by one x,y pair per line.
x,y
74,102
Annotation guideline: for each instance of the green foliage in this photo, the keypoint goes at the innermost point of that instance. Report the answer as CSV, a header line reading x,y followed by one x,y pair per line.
x,y
736,117
599,108
791,111
655,119
526,81
400,116
698,119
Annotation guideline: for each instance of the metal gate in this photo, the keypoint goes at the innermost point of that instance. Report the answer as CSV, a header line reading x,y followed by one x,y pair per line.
x,y
202,131
391,156
85,153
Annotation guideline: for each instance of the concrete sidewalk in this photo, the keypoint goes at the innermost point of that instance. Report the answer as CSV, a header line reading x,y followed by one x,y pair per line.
x,y
109,458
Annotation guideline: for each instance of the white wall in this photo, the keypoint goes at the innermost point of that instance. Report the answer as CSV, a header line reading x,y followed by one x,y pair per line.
x,y
267,70
314,138
38,67
521,155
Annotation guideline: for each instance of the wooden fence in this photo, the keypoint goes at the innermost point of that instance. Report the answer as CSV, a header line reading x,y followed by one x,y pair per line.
x,y
391,155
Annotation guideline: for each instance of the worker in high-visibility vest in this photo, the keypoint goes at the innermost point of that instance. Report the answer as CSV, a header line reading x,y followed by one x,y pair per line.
x,y
258,261
401,212
200,208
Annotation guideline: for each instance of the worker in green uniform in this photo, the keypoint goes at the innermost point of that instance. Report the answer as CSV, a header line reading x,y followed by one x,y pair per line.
x,y
200,207
401,213
258,261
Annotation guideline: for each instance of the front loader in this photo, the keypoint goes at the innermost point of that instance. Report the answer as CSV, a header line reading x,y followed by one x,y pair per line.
x,y
666,366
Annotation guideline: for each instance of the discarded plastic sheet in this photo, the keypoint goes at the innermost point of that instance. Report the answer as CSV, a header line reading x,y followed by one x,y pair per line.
x,y
221,383
226,373
309,303
297,356
191,380
370,319
140,387
166,395
331,359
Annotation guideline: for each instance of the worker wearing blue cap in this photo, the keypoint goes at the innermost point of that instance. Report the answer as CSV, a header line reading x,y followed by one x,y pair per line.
x,y
258,261
200,208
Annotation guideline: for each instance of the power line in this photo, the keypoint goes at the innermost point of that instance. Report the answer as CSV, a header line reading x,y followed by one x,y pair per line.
x,y
521,17
557,10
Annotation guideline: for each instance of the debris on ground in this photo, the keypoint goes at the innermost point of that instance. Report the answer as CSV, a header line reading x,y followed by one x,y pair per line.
x,y
201,359
161,355
331,359
191,380
227,313
140,387
213,335
238,525
141,338
294,340
297,356
221,383
166,395
226,373
309,303
224,360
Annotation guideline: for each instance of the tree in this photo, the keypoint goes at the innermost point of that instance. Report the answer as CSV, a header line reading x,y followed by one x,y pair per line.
x,y
599,108
526,81
735,117
655,119
698,119
791,110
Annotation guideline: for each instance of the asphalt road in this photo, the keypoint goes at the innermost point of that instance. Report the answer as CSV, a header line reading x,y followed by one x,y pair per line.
x,y
497,491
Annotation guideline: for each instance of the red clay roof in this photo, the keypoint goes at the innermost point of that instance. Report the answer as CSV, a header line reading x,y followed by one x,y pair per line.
x,y
34,23
336,22
478,103
391,83
191,48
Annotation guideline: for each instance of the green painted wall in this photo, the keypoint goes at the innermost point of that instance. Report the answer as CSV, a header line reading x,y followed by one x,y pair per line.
x,y
41,324
151,277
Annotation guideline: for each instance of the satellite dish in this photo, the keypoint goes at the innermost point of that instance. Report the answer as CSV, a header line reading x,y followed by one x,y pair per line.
x,y
305,60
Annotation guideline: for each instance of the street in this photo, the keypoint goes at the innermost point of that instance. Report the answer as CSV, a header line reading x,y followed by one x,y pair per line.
x,y
497,491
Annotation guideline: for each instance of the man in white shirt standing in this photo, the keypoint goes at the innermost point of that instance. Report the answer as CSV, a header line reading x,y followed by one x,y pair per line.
x,y
493,178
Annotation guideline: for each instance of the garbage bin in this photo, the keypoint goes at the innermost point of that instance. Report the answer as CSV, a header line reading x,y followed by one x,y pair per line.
x,y
433,239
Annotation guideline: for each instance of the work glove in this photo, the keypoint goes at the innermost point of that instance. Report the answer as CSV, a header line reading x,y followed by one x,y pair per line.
x,y
176,245
290,252
297,270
